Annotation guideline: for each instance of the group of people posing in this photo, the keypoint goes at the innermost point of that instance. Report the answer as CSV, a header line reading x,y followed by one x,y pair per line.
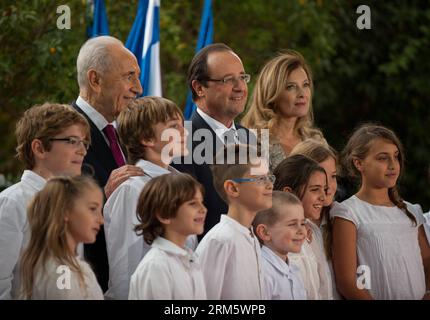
x,y
104,210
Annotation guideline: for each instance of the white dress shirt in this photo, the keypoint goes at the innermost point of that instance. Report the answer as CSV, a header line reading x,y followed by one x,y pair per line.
x,y
219,128
52,283
326,291
14,229
124,248
230,257
168,272
283,282
307,263
97,118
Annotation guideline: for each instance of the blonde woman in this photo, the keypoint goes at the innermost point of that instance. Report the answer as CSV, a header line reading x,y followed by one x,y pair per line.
x,y
281,102
66,212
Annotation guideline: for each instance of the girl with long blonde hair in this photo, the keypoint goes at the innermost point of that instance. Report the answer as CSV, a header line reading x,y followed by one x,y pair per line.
x,y
66,212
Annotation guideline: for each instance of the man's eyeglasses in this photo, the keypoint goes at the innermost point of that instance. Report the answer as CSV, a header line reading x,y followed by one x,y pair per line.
x,y
73,141
258,179
231,80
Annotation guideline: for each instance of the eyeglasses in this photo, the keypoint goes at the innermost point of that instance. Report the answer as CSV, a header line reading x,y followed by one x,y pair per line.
x,y
73,141
231,80
258,179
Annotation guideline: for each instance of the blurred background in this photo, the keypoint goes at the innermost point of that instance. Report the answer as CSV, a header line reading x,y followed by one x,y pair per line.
x,y
380,75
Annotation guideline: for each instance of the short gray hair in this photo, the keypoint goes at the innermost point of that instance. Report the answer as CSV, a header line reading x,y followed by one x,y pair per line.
x,y
94,54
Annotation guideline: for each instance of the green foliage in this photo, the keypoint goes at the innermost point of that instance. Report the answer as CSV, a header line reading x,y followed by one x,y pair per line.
x,y
376,75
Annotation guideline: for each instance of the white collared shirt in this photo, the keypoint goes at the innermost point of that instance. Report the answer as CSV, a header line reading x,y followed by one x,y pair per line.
x,y
168,272
124,248
283,282
219,128
324,271
230,257
14,229
97,118
307,263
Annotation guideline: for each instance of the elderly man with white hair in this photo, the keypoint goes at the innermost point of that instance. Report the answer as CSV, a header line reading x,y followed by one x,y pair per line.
x,y
108,78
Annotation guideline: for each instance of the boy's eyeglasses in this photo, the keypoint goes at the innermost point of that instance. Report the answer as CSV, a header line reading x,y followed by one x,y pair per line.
x,y
73,141
231,80
258,179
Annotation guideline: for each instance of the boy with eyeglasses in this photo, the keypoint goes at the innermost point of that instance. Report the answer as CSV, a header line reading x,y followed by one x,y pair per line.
x,y
52,140
230,254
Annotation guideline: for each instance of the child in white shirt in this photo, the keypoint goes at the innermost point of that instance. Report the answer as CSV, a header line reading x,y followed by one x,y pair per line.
x,y
52,140
377,234
327,158
140,129
66,212
308,181
281,229
170,209
230,253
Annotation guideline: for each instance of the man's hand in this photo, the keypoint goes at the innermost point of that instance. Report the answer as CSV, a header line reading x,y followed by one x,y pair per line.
x,y
119,175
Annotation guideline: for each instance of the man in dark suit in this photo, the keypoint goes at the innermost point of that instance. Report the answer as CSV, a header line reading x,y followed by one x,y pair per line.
x,y
218,83
108,78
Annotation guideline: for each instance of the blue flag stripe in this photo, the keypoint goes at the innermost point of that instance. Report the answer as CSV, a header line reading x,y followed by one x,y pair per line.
x,y
205,37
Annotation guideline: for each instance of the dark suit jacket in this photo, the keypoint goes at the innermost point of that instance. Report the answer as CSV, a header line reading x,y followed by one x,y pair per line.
x,y
202,172
99,163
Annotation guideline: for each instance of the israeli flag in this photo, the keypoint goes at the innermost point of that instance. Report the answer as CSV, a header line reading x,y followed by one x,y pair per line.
x,y
206,36
144,42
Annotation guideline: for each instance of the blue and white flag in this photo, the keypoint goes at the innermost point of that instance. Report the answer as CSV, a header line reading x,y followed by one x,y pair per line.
x,y
144,42
206,35
99,26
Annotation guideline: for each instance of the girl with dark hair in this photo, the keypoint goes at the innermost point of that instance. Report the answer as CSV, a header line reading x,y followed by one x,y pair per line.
x,y
308,181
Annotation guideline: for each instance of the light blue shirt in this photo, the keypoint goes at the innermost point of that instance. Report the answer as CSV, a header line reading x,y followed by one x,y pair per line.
x,y
282,281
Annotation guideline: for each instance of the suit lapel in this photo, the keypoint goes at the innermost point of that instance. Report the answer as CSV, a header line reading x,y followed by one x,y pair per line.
x,y
200,123
98,148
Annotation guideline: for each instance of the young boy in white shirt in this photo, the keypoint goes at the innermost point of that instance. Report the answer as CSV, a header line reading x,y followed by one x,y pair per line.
x,y
281,229
230,253
170,210
52,140
140,129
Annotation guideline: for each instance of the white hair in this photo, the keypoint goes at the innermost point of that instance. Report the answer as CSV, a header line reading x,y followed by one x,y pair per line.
x,y
94,54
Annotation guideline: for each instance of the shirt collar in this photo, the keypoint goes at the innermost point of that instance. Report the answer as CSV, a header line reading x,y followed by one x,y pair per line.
x,y
276,261
185,254
95,116
248,233
154,170
219,128
33,179
314,226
